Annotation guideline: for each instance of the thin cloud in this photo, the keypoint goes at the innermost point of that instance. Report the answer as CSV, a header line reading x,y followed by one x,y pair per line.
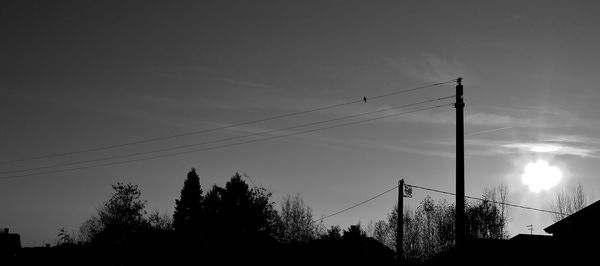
x,y
554,149
511,147
494,146
247,83
476,119
497,120
487,131
512,119
428,150
539,110
429,67
572,139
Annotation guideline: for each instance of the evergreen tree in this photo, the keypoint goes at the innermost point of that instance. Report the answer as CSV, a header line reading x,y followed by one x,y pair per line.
x,y
238,211
188,209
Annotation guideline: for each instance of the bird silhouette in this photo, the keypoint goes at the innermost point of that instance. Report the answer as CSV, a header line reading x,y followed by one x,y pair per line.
x,y
365,99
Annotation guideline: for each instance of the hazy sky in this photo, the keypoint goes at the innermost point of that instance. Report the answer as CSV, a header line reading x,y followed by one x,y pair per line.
x,y
78,74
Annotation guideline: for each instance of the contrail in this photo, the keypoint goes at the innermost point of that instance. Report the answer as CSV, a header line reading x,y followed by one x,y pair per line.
x,y
487,131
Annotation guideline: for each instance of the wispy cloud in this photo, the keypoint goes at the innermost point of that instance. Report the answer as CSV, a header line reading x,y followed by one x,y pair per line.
x,y
555,146
429,67
497,120
534,147
486,131
421,148
572,139
247,83
528,118
430,151
476,119
554,149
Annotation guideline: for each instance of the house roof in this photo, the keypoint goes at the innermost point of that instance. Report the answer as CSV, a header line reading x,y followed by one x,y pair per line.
x,y
577,219
530,238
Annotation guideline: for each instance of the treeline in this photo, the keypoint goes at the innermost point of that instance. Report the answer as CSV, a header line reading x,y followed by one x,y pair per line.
x,y
238,223
429,229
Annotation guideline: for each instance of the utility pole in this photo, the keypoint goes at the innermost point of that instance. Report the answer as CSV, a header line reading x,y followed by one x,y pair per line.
x,y
460,166
400,223
530,228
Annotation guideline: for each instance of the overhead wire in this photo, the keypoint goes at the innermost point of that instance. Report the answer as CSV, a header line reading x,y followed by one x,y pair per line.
x,y
482,199
433,190
355,205
224,139
222,127
226,145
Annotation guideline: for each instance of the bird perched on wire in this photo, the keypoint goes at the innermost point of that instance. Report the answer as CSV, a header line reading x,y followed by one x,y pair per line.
x,y
365,99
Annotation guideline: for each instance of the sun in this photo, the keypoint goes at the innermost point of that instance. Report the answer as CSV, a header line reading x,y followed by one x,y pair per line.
x,y
541,176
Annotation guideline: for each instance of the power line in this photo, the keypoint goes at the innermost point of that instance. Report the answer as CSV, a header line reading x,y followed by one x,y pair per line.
x,y
356,205
220,128
222,139
226,145
482,199
433,190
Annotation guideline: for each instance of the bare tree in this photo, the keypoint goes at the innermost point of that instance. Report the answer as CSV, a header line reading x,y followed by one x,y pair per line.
x,y
90,229
320,228
381,234
370,228
429,228
65,238
159,221
296,221
569,201
497,198
119,216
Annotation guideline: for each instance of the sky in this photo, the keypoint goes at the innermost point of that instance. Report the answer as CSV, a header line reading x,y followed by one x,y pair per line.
x,y
77,75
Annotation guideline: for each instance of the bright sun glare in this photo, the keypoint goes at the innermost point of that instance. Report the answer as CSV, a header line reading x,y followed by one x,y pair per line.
x,y
541,176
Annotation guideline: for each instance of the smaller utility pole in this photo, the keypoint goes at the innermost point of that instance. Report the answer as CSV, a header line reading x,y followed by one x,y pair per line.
x,y
530,228
400,223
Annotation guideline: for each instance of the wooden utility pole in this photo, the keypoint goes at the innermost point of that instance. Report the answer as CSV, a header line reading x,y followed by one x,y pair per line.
x,y
400,223
460,166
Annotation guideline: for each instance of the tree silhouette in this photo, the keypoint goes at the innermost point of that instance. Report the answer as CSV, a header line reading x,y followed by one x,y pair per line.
x,y
569,201
90,229
354,233
160,222
333,233
237,211
64,238
188,208
352,247
484,220
429,228
297,225
381,234
239,220
117,219
489,217
123,214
